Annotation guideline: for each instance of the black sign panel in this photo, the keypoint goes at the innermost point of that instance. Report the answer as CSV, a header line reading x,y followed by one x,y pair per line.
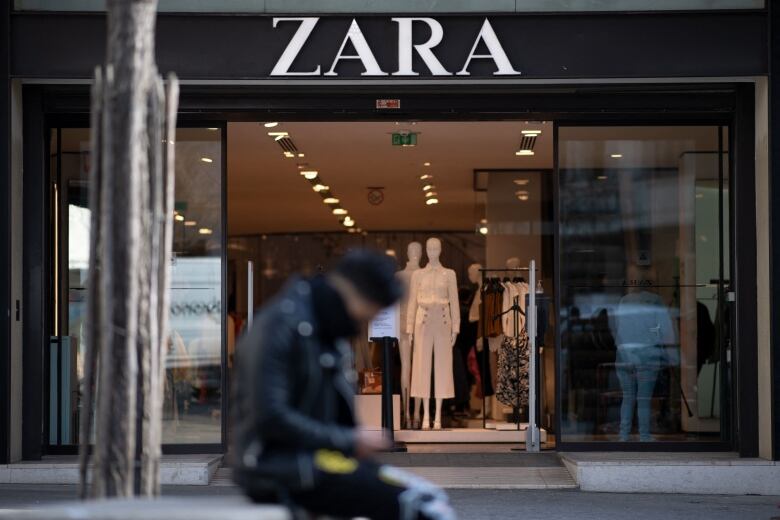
x,y
534,46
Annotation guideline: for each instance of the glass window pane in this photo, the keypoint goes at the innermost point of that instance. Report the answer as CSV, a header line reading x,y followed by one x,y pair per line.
x,y
193,387
641,263
193,391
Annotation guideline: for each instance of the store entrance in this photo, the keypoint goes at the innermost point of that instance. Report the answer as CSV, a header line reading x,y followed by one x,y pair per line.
x,y
301,194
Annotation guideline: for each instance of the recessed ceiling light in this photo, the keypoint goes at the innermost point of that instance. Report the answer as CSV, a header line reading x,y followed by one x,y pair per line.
x,y
212,129
426,176
431,202
309,174
190,223
616,155
483,221
524,152
348,222
521,182
289,155
339,211
522,197
179,218
426,164
602,177
430,194
521,192
205,231
270,124
483,230
301,154
207,159
278,134
320,187
331,200
530,132
428,187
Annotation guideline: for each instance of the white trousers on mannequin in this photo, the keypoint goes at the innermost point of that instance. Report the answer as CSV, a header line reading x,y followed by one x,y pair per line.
x,y
405,351
433,352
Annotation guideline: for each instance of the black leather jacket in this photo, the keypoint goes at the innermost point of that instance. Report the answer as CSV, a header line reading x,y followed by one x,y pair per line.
x,y
294,395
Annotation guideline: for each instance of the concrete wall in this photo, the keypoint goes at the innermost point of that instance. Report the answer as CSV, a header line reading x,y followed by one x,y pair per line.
x,y
763,270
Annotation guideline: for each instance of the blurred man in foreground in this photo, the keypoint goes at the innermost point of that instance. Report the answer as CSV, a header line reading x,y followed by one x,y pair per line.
x,y
296,439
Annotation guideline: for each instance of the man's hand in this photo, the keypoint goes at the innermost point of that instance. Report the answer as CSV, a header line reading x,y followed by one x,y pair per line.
x,y
367,443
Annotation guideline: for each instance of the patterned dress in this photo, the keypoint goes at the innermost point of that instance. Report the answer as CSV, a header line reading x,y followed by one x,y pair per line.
x,y
513,363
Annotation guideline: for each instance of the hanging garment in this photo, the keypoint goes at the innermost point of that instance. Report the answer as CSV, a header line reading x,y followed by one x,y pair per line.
x,y
490,309
513,363
512,291
433,316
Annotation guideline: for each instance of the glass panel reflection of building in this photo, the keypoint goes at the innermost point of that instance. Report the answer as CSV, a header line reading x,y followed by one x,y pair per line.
x,y
640,267
193,382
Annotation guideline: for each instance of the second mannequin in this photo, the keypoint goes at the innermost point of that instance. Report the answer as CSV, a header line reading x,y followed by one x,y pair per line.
x,y
433,319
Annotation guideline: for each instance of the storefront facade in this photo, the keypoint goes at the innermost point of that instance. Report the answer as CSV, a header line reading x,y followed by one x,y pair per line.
x,y
686,92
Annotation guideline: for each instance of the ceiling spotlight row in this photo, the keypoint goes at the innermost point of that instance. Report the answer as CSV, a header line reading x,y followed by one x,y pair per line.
x,y
317,184
178,217
429,188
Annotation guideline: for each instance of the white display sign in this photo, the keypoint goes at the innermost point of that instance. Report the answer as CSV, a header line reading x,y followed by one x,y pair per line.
x,y
386,323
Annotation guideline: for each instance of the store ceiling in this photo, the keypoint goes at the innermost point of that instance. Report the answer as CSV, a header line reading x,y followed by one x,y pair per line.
x,y
266,194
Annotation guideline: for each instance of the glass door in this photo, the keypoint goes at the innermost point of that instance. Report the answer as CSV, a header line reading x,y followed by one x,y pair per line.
x,y
195,357
643,245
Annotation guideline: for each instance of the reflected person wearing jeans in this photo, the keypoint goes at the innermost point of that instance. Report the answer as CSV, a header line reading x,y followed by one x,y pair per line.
x,y
642,327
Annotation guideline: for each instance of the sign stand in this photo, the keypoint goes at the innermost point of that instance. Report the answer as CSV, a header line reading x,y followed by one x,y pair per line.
x,y
387,391
385,330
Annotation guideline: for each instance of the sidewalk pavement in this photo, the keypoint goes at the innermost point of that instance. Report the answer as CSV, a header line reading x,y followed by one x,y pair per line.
x,y
493,504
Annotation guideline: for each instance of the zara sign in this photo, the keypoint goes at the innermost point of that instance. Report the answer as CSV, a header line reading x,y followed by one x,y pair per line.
x,y
354,47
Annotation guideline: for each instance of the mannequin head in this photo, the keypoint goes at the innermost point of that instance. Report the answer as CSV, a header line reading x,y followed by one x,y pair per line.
x,y
512,263
414,252
433,250
474,275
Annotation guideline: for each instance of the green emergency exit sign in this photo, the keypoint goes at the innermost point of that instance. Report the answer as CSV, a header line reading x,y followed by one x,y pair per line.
x,y
404,139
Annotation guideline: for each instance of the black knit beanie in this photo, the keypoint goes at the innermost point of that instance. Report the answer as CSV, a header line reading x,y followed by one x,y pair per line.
x,y
372,274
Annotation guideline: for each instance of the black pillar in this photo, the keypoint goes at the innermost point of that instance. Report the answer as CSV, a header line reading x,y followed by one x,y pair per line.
x,y
36,269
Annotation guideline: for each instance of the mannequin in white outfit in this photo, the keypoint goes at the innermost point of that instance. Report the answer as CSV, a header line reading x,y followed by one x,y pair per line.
x,y
413,254
433,319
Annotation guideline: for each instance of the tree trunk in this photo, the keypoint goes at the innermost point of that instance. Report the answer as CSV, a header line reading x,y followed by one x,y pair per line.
x,y
133,129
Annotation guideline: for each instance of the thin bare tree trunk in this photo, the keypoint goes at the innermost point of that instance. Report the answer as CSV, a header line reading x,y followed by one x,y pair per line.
x,y
163,201
93,331
132,228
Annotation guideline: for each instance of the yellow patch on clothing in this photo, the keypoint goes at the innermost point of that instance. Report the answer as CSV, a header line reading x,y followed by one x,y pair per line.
x,y
334,462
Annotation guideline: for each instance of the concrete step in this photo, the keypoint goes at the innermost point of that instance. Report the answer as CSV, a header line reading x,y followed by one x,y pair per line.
x,y
181,470
692,473
472,470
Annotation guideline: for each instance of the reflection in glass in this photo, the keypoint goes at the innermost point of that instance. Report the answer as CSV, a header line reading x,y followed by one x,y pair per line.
x,y
193,385
642,273
192,412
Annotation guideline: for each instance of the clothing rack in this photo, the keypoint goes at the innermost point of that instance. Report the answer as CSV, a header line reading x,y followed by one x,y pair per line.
x,y
532,437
